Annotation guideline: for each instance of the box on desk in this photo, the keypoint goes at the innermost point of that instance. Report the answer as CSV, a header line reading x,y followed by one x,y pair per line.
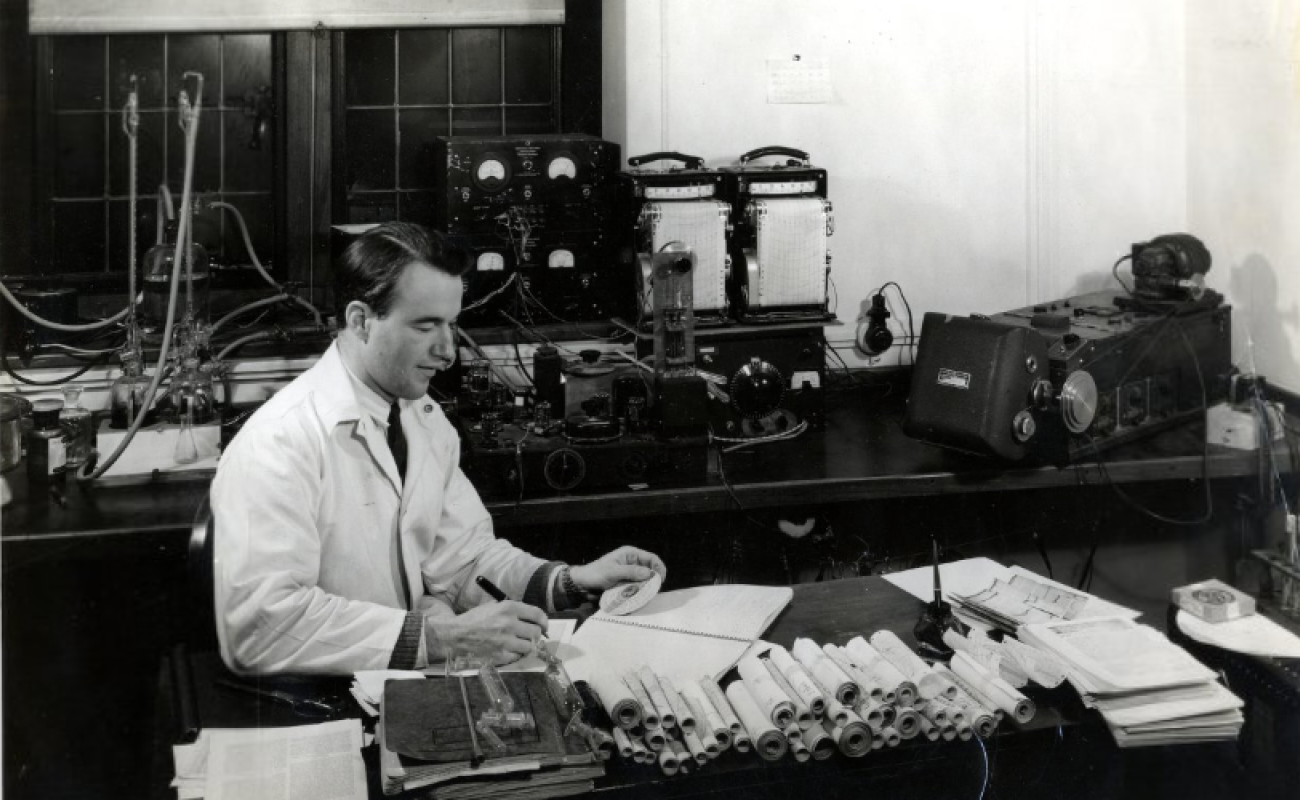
x,y
1213,601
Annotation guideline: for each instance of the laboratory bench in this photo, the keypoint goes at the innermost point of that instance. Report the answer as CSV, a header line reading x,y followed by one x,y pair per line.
x,y
95,587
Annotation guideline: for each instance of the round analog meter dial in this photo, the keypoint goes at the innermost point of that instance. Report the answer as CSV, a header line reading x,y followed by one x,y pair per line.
x,y
564,469
491,174
561,167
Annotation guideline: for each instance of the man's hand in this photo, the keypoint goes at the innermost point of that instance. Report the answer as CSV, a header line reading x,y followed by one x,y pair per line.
x,y
497,632
624,565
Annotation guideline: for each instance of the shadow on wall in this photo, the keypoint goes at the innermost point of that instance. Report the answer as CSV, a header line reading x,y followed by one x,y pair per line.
x,y
1261,322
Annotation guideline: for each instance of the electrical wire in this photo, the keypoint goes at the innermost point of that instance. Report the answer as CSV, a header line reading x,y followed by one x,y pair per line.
x,y
1208,514
60,326
1114,270
911,320
65,379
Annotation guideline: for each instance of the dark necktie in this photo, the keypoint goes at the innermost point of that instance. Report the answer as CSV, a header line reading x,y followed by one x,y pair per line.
x,y
397,439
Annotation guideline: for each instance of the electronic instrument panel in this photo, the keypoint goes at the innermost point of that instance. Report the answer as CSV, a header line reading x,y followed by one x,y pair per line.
x,y
781,221
535,213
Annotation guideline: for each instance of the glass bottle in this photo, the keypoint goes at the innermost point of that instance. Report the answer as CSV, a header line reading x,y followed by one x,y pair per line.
x,y
46,456
126,398
192,385
76,423
157,266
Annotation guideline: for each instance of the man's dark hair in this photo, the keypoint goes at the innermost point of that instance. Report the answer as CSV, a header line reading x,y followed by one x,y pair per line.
x,y
371,266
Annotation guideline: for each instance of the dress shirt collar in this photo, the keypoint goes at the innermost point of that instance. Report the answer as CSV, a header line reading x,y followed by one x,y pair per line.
x,y
368,400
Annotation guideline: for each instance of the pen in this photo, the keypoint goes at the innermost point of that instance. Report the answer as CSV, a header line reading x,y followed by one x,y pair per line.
x,y
543,652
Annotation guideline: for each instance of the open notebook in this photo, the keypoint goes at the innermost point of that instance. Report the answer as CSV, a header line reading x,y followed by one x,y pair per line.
x,y
682,634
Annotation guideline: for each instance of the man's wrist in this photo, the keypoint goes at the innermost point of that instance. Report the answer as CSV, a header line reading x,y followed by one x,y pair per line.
x,y
573,585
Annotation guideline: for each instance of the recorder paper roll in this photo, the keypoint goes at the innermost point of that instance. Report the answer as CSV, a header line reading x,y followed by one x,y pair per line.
x,y
793,733
935,712
819,742
800,751
964,731
1020,708
948,731
770,698
655,739
837,712
658,697
768,740
695,747
929,730
982,720
716,696
891,737
684,757
928,683
668,761
640,753
802,715
623,743
828,676
799,679
616,698
871,713
907,722
685,717
866,681
628,597
649,714
894,682
853,741
973,693
706,716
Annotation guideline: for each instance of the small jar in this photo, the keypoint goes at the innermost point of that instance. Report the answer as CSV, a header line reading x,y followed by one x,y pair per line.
x,y
46,455
12,410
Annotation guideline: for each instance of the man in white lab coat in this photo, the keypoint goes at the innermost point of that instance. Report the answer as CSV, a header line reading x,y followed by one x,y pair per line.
x,y
347,537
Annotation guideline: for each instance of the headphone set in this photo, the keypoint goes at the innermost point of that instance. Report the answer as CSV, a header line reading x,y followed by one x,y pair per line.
x,y
877,337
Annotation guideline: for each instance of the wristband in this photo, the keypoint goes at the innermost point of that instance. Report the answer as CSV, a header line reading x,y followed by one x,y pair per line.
x,y
575,593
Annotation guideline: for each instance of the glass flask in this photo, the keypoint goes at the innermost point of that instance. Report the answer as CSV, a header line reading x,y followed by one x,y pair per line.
x,y
191,388
157,268
126,398
187,448
75,421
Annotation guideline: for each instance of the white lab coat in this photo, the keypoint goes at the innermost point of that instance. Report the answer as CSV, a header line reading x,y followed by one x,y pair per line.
x,y
308,503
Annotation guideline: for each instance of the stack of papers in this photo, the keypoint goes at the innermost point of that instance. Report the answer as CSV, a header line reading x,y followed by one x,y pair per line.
x,y
1008,604
975,576
304,762
1148,690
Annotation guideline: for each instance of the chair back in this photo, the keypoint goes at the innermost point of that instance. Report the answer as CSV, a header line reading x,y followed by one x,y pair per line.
x,y
202,616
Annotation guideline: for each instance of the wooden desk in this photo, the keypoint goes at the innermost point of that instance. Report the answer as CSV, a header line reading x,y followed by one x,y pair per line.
x,y
833,611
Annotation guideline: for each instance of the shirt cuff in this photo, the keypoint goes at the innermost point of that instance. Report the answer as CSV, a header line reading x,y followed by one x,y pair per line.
x,y
410,642
539,591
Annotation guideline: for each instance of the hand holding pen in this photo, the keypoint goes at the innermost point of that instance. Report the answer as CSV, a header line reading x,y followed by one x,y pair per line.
x,y
501,632
541,646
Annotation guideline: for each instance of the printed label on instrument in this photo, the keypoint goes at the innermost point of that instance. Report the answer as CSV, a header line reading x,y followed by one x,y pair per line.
x,y
955,379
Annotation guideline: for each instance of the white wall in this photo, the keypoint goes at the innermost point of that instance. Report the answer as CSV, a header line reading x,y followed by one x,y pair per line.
x,y
1243,166
984,155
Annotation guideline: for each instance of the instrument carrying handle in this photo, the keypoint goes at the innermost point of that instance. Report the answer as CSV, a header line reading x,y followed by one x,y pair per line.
x,y
774,150
690,162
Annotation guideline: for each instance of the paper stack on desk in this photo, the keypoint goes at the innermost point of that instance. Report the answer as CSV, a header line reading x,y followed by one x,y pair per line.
x,y
1148,690
427,739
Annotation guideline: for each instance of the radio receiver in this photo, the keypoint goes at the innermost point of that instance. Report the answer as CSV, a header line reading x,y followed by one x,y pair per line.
x,y
1058,381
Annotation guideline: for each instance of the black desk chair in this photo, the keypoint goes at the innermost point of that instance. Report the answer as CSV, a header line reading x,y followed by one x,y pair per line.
x,y
202,617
